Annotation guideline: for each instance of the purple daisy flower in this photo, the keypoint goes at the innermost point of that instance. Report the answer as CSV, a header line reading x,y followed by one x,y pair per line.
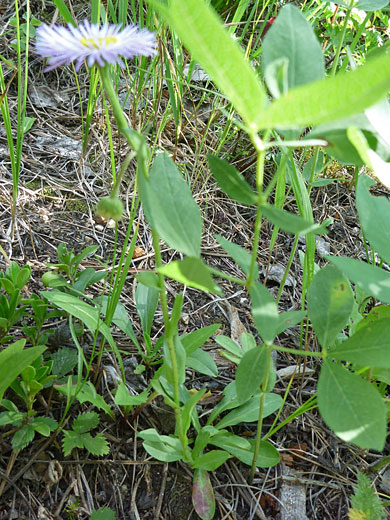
x,y
98,45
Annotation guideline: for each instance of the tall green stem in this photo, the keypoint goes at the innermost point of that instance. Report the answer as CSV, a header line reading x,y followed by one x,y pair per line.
x,y
341,42
261,413
169,337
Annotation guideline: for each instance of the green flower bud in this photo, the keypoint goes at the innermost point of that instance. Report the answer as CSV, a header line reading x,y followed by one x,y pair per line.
x,y
109,207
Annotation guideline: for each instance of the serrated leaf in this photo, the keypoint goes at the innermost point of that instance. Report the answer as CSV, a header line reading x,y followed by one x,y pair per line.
x,y
351,407
86,394
97,445
71,440
124,398
85,422
23,437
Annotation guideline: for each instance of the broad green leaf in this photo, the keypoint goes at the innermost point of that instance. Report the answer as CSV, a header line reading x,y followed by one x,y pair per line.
x,y
249,412
230,180
124,398
203,363
192,272
103,513
193,340
211,460
293,223
149,279
161,447
243,449
234,351
330,302
373,280
211,46
64,360
264,312
352,407
370,345
86,394
13,360
23,437
86,313
85,422
239,255
250,372
289,319
292,37
97,445
332,98
170,208
371,5
146,303
373,213
203,498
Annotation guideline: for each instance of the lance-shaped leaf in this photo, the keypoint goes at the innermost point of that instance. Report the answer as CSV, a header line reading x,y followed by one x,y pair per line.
x,y
332,98
192,272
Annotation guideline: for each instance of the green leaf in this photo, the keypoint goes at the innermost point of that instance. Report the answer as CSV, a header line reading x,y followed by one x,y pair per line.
x,y
124,398
332,98
44,425
373,212
212,47
86,313
192,272
292,37
230,180
64,360
203,363
211,460
87,394
71,440
366,505
351,407
250,372
97,445
146,302
249,412
371,5
149,279
13,360
23,437
103,513
203,498
330,302
241,256
293,223
193,340
85,422
161,447
370,345
170,208
289,319
243,449
264,312
373,280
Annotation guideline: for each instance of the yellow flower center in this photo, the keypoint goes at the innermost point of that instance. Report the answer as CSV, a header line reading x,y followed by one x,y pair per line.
x,y
98,43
